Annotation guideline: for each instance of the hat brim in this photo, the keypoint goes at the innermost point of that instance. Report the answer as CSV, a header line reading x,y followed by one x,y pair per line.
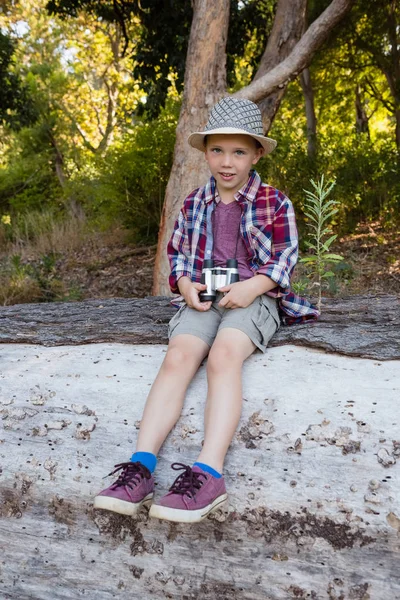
x,y
196,139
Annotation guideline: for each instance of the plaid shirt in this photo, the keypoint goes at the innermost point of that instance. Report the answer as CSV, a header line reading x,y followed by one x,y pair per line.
x,y
268,229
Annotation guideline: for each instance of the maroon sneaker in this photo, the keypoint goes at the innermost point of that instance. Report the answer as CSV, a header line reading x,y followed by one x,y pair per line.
x,y
133,488
193,495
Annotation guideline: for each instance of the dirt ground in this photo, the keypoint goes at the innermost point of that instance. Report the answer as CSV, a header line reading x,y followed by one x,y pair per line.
x,y
371,264
114,270
108,265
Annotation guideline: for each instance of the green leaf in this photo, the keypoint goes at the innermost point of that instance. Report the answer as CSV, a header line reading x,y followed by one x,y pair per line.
x,y
328,274
308,259
311,245
328,242
332,257
313,217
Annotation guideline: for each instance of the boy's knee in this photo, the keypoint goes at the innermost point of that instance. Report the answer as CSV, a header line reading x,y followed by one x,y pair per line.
x,y
222,357
178,358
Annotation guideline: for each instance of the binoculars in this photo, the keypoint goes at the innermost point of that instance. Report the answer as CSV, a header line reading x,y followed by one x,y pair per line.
x,y
216,277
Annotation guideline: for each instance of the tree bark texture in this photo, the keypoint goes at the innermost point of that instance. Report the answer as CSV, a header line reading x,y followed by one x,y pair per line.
x,y
288,27
359,326
308,93
312,476
205,83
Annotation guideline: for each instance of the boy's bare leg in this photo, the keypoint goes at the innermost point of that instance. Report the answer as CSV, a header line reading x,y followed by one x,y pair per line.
x,y
224,399
165,400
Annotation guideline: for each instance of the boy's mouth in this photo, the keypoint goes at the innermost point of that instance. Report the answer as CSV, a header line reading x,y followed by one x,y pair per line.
x,y
227,175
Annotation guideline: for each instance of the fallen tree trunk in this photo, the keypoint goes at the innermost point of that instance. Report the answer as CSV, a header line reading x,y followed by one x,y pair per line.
x,y
312,473
363,326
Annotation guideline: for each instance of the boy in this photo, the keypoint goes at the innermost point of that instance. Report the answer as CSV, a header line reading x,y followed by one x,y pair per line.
x,y
234,216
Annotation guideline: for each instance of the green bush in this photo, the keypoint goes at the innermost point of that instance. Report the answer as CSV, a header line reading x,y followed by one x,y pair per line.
x,y
128,185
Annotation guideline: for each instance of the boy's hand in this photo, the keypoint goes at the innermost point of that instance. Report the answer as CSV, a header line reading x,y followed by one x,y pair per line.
x,y
190,291
243,293
238,295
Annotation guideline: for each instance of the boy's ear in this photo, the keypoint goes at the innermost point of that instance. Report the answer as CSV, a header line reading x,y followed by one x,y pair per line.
x,y
259,153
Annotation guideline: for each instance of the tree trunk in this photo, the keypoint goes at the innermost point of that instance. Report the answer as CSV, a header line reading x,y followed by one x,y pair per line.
x,y
342,328
397,116
393,27
308,93
362,125
74,206
288,27
205,83
312,472
205,77
393,79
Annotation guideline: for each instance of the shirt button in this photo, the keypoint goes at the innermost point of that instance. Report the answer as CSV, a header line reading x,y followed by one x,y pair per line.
x,y
208,251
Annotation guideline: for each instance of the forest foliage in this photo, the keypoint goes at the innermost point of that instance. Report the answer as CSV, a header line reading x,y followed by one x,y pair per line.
x,y
90,98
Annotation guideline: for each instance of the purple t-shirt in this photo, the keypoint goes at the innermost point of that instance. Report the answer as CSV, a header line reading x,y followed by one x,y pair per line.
x,y
228,242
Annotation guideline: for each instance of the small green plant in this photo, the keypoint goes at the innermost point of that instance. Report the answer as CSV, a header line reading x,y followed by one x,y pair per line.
x,y
319,210
300,287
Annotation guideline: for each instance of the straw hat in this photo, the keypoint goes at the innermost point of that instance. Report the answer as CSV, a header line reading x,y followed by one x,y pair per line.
x,y
233,116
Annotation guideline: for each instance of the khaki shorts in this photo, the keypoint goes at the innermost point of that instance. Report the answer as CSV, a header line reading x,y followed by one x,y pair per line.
x,y
259,321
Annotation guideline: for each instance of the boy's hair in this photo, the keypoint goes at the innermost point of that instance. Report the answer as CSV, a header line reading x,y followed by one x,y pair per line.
x,y
257,143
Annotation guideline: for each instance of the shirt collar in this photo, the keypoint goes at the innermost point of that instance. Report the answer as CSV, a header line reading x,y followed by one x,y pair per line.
x,y
209,190
246,193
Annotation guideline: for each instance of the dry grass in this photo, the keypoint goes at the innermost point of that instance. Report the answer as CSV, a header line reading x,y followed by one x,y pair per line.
x,y
42,233
30,253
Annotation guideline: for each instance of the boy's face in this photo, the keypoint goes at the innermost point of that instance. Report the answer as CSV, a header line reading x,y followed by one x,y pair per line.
x,y
230,158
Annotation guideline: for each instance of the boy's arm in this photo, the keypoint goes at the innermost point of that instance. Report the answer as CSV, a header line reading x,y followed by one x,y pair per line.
x,y
179,256
179,252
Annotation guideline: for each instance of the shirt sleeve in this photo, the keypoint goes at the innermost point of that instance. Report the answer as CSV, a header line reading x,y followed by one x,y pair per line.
x,y
284,249
178,251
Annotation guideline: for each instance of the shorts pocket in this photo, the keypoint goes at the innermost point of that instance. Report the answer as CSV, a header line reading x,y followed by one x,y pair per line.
x,y
266,319
176,319
271,304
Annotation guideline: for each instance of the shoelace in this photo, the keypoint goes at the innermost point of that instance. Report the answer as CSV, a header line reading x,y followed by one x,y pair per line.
x,y
132,474
187,482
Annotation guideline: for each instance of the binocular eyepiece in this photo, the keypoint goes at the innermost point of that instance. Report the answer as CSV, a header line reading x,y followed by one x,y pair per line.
x,y
217,277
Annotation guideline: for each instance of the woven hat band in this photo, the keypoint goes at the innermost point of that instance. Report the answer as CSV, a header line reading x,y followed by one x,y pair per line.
x,y
231,125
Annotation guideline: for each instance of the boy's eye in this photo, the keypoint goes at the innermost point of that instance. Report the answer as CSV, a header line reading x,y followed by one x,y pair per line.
x,y
216,150
240,152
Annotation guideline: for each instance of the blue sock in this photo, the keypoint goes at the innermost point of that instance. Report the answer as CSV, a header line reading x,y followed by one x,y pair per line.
x,y
208,469
147,459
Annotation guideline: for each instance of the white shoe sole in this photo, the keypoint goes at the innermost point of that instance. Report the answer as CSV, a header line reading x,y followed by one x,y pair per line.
x,y
186,516
120,506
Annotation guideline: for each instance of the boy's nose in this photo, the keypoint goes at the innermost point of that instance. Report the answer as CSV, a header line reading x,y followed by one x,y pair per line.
x,y
226,160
